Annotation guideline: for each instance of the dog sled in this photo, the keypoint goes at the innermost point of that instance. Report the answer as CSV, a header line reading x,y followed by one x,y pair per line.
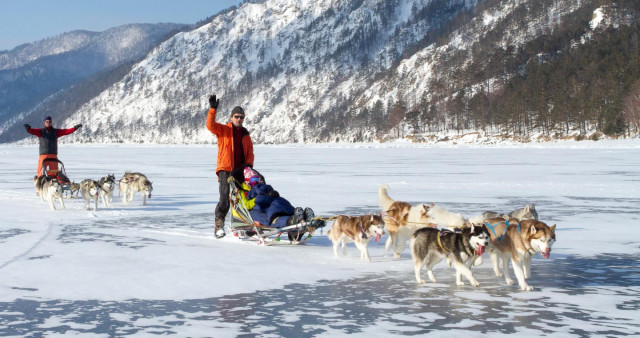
x,y
54,169
244,227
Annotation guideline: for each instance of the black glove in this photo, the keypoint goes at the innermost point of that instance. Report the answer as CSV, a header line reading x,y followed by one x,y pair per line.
x,y
27,127
77,126
213,102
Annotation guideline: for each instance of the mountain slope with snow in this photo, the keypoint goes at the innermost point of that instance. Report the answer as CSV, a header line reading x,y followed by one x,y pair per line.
x,y
330,70
31,73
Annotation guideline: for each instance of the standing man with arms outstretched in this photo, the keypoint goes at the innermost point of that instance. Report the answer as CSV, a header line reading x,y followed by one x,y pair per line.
x,y
48,137
235,150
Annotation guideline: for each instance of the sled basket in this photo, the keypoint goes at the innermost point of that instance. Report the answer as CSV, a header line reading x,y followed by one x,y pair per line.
x,y
54,168
243,226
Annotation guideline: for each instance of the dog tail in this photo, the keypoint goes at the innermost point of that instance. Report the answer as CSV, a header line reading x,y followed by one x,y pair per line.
x,y
384,199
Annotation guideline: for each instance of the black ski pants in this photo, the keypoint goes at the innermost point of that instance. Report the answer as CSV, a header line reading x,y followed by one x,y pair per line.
x,y
223,204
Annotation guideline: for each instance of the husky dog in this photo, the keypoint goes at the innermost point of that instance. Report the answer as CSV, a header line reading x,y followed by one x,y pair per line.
x,y
526,212
52,191
90,189
401,220
107,186
520,243
357,229
131,183
429,246
74,189
126,180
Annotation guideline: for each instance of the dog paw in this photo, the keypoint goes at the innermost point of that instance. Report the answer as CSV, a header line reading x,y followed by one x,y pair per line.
x,y
420,281
499,274
475,284
509,281
526,288
396,255
460,283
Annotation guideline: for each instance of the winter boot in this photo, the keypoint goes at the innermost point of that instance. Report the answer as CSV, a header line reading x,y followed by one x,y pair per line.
x,y
298,216
219,231
309,215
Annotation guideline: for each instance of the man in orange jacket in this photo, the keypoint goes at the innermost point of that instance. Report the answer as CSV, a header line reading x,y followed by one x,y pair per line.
x,y
235,150
48,137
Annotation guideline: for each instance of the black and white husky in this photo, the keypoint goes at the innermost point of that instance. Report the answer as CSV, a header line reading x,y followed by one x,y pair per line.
x,y
89,189
429,246
107,186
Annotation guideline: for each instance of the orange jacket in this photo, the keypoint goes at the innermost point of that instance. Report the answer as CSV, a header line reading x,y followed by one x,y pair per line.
x,y
224,134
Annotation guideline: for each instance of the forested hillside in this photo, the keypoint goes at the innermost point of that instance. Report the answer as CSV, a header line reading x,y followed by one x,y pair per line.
x,y
569,79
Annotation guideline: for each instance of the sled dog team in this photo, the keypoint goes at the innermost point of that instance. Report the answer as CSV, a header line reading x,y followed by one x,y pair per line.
x,y
50,190
435,233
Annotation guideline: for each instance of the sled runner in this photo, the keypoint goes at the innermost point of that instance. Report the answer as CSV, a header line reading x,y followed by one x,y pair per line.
x,y
243,225
54,168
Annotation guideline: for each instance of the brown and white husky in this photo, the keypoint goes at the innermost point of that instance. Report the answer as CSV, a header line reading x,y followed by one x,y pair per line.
x,y
519,244
357,229
401,219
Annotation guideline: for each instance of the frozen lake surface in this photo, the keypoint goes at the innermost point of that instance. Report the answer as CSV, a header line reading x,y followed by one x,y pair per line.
x,y
157,269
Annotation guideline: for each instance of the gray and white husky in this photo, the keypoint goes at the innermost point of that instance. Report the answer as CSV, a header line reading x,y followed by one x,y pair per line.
x,y
429,246
131,183
73,191
528,212
89,189
49,190
107,186
524,213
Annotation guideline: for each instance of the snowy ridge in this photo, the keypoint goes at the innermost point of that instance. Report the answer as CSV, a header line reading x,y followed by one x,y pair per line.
x,y
62,43
33,74
296,65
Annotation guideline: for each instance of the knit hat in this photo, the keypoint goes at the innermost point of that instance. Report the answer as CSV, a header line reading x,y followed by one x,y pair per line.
x,y
48,118
251,176
237,110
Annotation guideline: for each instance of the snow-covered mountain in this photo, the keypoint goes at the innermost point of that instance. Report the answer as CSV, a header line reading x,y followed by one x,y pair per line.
x,y
328,70
32,72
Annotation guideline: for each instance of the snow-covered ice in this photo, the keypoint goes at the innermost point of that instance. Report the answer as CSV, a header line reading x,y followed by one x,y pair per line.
x,y
157,269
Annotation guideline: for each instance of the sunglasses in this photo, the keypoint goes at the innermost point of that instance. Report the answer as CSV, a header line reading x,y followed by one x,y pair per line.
x,y
241,117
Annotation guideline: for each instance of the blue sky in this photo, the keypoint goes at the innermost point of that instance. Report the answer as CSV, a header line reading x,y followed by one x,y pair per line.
x,y
23,21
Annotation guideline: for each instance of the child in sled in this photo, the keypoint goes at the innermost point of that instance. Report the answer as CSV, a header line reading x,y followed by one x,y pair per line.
x,y
267,207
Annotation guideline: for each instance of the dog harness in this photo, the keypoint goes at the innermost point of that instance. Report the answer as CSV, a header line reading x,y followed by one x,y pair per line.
x,y
364,235
440,243
491,227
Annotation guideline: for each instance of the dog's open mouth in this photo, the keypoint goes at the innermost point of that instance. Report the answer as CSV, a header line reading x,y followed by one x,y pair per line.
x,y
378,237
546,254
480,250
